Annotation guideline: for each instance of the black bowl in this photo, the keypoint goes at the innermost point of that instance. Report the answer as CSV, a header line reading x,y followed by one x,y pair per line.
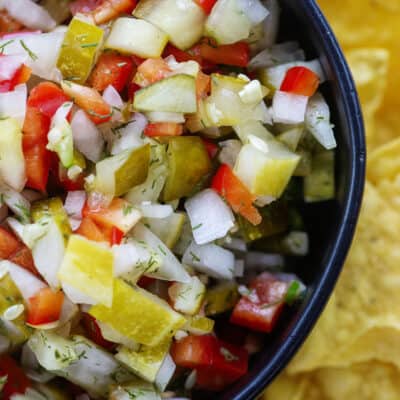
x,y
331,224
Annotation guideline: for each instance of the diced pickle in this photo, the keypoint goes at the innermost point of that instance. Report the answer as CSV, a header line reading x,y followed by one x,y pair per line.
x,y
79,49
294,243
188,162
199,325
139,315
274,220
146,361
221,298
116,175
9,294
305,164
319,185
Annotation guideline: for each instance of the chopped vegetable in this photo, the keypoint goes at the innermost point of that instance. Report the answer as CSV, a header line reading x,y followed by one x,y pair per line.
x,y
300,80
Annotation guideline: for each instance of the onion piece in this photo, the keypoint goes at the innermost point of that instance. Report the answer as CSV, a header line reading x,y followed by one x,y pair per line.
x,y
17,203
239,268
261,261
87,138
29,14
76,296
318,121
162,116
114,100
37,46
210,259
155,210
254,10
128,135
230,150
278,54
13,104
289,108
209,216
73,205
270,24
9,65
165,373
26,282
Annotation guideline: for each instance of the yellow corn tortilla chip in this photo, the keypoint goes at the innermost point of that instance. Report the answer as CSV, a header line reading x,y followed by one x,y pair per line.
x,y
384,162
366,291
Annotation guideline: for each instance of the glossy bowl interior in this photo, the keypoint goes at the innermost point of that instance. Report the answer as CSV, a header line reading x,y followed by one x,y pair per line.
x,y
331,225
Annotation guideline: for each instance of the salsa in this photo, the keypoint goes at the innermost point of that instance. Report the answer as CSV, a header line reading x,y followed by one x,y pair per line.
x,y
154,157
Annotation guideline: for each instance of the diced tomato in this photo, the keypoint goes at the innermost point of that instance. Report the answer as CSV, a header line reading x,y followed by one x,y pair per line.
x,y
300,80
206,5
211,147
150,71
68,184
9,244
91,231
145,281
229,186
163,129
89,100
47,97
203,85
102,11
260,310
17,382
21,75
137,60
236,54
116,236
110,217
9,24
217,363
45,307
132,89
111,69
34,141
23,258
94,332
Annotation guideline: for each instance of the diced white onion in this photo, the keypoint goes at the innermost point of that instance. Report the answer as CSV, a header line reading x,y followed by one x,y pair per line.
x,y
297,243
190,381
165,373
29,14
9,65
278,54
211,259
17,203
43,51
318,121
32,367
87,138
254,10
271,23
74,203
261,261
239,268
162,116
114,100
229,152
13,104
155,210
289,108
76,296
26,282
129,135
209,216
233,243
68,311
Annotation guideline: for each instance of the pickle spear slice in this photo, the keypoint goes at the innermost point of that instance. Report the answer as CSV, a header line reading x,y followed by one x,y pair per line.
x,y
116,175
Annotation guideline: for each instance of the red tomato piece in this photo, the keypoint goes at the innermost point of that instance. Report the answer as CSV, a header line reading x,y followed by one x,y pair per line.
x,y
111,69
116,236
163,129
211,147
17,382
9,244
132,89
145,281
206,5
23,258
45,307
300,80
47,97
229,186
203,85
94,332
260,310
89,100
218,364
236,54
150,71
89,229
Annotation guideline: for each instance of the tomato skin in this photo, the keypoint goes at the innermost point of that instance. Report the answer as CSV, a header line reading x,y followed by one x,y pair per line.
x,y
300,80
203,85
211,147
17,382
217,363
23,258
9,244
151,71
47,97
206,5
9,24
163,129
236,54
116,236
89,229
261,310
111,69
22,75
45,307
145,281
94,332
229,186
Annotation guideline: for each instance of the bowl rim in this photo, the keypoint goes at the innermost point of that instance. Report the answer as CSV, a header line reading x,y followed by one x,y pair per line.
x,y
357,156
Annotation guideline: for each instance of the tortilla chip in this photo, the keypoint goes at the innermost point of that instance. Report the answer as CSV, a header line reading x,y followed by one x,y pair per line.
x,y
384,162
366,291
